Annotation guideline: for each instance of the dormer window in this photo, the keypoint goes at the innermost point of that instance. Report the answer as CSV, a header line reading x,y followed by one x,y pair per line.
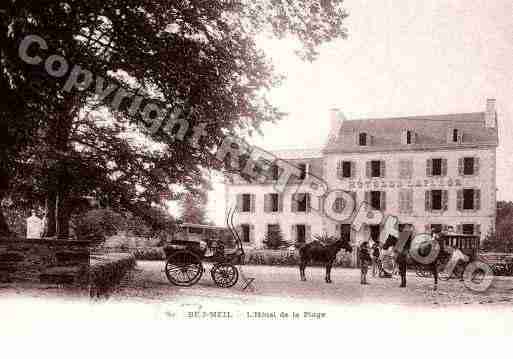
x,y
408,137
363,139
455,135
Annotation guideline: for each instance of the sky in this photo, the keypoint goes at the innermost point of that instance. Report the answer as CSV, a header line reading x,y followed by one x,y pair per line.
x,y
411,57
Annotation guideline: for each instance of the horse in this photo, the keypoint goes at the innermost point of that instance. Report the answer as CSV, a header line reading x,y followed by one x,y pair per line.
x,y
403,255
318,252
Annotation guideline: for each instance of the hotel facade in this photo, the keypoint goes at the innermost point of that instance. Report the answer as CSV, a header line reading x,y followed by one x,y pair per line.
x,y
431,172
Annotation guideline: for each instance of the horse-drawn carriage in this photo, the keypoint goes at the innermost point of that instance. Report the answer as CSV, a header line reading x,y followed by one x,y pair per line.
x,y
466,245
196,244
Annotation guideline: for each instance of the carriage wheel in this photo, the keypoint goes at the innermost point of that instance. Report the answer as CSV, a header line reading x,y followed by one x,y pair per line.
x,y
224,275
183,268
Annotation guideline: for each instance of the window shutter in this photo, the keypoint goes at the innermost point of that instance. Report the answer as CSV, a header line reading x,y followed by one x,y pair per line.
x,y
353,169
239,202
445,200
307,170
267,203
477,229
476,165
402,201
449,135
253,200
382,169
444,167
459,228
410,201
280,202
339,169
404,136
370,140
428,200
293,233
367,197
429,166
293,203
368,169
459,200
308,203
477,199
460,166
308,233
383,200
338,229
252,233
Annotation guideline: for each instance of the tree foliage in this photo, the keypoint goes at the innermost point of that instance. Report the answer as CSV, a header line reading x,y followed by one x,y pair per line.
x,y
198,59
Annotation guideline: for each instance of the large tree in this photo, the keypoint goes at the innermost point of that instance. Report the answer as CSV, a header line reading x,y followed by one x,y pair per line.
x,y
197,59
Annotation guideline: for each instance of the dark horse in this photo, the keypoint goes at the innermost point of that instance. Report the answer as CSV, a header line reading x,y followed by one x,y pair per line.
x,y
318,252
403,255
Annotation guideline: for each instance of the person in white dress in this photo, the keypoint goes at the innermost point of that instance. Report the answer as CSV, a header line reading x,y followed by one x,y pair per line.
x,y
34,226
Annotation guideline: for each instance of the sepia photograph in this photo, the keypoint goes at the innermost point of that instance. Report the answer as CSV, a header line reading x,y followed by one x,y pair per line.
x,y
335,166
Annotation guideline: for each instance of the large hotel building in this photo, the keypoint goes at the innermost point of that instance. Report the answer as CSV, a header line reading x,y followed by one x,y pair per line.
x,y
430,171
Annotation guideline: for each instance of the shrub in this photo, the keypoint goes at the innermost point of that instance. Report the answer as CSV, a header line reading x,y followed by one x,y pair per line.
x,y
288,258
149,253
274,240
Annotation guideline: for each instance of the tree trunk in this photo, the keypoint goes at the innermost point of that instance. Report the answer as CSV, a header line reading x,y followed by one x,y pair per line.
x,y
62,215
50,226
4,185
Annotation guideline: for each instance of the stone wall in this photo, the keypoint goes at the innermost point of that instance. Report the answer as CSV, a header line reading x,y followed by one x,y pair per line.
x,y
63,262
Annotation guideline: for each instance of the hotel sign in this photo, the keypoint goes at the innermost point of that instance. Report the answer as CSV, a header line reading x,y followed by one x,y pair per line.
x,y
375,184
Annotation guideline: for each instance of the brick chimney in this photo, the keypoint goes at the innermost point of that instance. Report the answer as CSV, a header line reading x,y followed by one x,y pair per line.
x,y
490,114
336,119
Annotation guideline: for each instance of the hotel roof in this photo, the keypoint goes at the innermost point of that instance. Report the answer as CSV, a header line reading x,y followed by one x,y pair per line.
x,y
431,133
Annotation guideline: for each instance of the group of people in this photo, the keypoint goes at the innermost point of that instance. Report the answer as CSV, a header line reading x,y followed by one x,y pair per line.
x,y
370,256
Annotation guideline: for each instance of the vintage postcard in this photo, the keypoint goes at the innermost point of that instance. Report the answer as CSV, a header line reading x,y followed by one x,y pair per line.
x,y
256,162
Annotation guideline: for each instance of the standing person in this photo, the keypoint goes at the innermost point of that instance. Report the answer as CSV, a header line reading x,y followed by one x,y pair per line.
x,y
365,260
376,261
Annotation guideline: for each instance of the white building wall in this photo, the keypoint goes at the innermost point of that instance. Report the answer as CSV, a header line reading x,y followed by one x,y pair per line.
x,y
485,181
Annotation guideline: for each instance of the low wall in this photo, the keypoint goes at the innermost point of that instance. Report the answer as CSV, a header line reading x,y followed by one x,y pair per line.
x,y
107,271
48,261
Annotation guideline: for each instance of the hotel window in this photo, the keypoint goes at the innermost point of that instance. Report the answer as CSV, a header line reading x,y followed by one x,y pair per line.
x,y
436,227
374,232
468,166
345,169
469,228
375,169
454,135
273,230
246,233
377,199
363,139
301,202
407,137
344,230
468,199
300,233
436,167
436,200
246,202
272,202
303,168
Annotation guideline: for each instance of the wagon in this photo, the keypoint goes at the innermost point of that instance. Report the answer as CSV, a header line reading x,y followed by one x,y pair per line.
x,y
186,256
467,244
